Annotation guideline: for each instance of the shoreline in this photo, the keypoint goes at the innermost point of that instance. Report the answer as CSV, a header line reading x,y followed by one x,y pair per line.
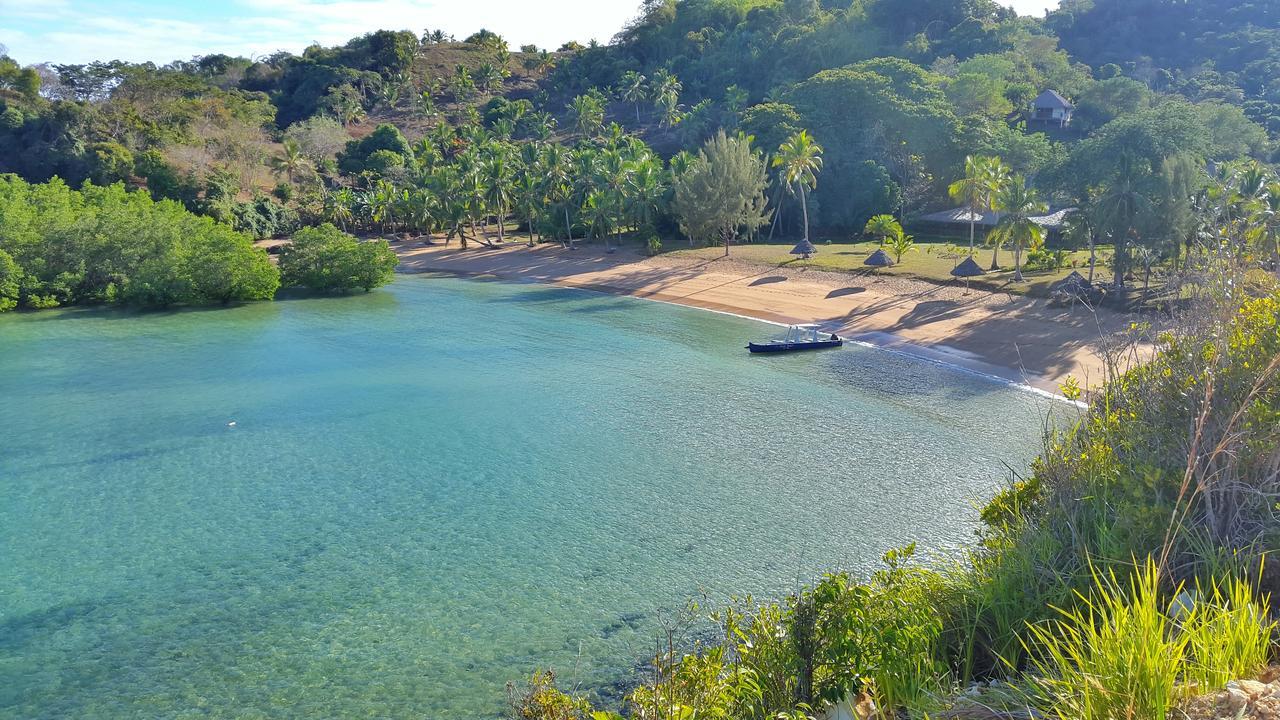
x,y
1011,339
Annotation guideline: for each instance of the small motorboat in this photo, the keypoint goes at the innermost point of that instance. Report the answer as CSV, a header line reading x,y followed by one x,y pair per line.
x,y
798,337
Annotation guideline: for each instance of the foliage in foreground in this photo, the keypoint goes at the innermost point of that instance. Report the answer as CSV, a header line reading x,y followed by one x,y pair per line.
x,y
1121,577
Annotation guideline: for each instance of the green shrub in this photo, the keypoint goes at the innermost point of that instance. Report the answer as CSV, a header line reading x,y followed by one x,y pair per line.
x,y
542,699
325,259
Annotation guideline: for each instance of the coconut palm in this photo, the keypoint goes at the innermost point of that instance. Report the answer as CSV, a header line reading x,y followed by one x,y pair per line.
x,y
971,190
900,244
996,175
883,227
1019,203
290,161
338,207
632,89
588,114
498,187
1081,228
1120,205
529,199
664,91
646,191
558,182
800,160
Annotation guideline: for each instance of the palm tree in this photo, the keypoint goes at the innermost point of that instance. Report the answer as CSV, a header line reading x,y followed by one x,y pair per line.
x,y
1019,202
595,213
339,207
997,175
664,91
971,190
290,161
528,197
800,159
588,114
544,63
883,227
1120,206
1081,227
632,89
585,169
497,178
646,191
558,182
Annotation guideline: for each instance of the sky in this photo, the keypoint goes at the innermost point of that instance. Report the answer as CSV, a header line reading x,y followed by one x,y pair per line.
x,y
78,31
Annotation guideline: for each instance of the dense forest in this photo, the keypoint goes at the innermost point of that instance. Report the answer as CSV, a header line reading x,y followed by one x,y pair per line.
x,y
904,106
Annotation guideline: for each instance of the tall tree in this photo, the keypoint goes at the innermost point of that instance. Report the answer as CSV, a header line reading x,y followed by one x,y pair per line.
x,y
723,192
996,176
1123,199
971,190
800,160
632,89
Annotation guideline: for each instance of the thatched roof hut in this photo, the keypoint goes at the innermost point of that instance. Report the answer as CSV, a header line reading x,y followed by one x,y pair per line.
x,y
879,258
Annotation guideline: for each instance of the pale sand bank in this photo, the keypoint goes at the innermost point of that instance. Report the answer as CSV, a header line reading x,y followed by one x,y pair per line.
x,y
1018,339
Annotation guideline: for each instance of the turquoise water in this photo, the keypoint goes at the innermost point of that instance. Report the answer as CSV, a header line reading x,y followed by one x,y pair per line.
x,y
435,488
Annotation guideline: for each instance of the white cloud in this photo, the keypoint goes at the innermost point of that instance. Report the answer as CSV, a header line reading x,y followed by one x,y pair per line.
x,y
57,30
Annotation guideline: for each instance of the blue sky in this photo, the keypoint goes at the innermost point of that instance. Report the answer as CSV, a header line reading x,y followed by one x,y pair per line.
x,y
72,31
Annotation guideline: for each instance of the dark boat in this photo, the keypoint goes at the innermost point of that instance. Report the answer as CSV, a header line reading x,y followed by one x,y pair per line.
x,y
799,337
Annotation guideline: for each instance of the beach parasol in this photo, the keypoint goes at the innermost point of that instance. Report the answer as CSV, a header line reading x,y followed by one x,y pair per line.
x,y
805,248
966,270
879,258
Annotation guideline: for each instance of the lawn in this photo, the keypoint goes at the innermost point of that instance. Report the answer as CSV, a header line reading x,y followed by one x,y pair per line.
x,y
932,259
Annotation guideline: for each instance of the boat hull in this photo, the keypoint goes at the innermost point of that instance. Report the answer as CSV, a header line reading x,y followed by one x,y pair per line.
x,y
784,347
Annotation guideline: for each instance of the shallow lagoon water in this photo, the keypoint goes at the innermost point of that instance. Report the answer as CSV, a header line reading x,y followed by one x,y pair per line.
x,y
435,488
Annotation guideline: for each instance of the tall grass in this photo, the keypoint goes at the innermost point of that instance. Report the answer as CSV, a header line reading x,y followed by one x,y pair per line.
x,y
1114,657
1120,655
1228,636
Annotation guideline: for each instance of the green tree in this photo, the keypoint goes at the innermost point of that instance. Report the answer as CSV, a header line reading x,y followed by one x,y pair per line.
x,y
633,89
9,286
588,114
723,192
882,227
325,259
1018,202
800,161
290,162
972,190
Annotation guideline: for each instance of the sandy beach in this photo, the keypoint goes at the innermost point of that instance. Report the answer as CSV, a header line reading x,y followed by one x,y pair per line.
x,y
1018,339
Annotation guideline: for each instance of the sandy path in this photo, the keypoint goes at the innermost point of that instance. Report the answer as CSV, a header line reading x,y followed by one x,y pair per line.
x,y
1015,338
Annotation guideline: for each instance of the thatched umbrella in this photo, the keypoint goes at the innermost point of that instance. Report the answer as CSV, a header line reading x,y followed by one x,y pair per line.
x,y
805,248
879,258
967,269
